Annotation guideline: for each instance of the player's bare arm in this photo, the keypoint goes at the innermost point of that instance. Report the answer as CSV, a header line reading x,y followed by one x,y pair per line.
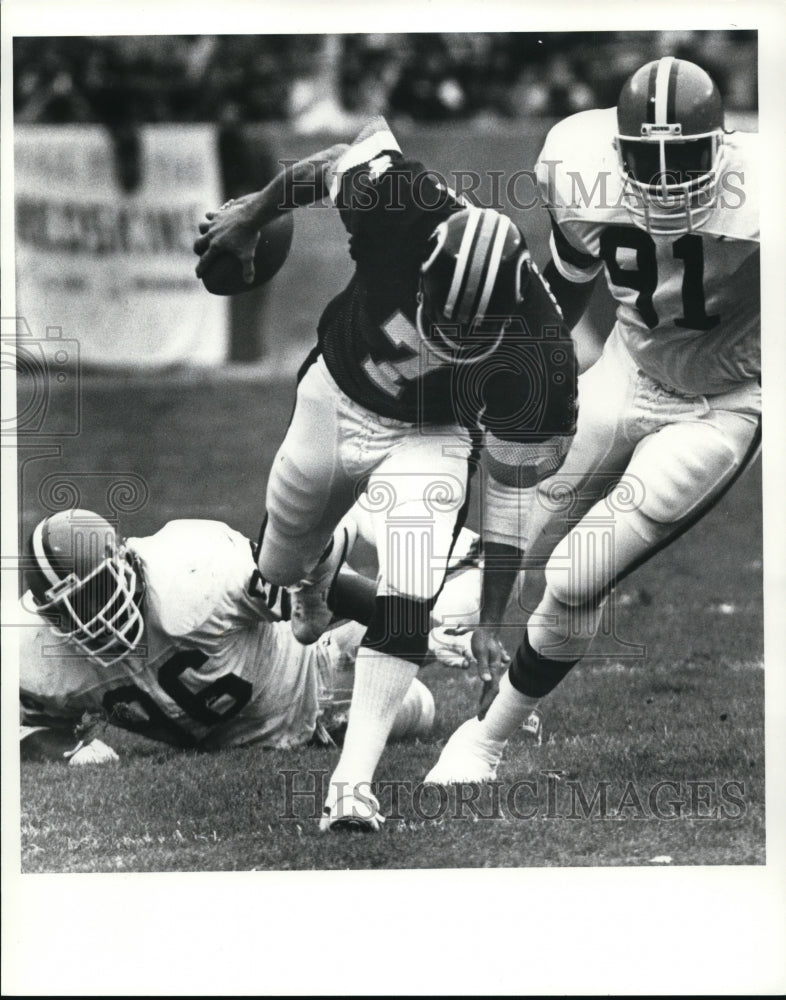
x,y
501,565
236,226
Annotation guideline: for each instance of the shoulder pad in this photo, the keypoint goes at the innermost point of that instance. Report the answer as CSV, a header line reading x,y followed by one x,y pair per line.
x,y
373,142
736,215
577,167
192,567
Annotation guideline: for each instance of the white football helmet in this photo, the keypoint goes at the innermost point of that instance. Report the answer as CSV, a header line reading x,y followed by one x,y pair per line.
x,y
669,146
86,584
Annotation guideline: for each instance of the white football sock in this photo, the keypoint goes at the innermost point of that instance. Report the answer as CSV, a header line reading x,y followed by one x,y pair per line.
x,y
506,713
380,686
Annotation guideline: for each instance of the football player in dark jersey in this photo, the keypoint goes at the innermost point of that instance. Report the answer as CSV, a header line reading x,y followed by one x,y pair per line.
x,y
445,329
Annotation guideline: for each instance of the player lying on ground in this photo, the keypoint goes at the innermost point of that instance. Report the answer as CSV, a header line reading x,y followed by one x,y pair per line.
x,y
671,410
444,327
175,637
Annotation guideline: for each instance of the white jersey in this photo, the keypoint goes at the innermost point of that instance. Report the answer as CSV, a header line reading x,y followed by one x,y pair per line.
x,y
215,668
688,307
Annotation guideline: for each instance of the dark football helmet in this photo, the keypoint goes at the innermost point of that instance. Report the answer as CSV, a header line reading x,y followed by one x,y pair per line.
x,y
86,584
669,144
470,284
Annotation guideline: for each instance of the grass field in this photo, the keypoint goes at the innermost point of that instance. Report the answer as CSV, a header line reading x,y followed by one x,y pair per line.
x,y
691,712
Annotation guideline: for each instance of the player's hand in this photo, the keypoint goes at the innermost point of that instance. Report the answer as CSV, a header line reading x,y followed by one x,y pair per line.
x,y
94,752
232,229
487,695
488,653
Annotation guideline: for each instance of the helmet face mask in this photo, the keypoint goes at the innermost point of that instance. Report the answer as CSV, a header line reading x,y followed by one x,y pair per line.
x,y
460,344
86,584
670,146
470,285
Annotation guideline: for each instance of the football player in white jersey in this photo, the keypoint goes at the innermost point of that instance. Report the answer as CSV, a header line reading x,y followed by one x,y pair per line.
x,y
660,198
175,636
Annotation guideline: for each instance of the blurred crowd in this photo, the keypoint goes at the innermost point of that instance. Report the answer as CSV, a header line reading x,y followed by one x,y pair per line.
x,y
319,81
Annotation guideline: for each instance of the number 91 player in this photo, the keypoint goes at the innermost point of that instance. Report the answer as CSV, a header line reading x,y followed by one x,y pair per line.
x,y
673,404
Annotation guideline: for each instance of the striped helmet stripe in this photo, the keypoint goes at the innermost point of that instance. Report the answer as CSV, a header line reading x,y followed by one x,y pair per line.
x,y
459,312
649,111
671,100
663,90
500,236
477,267
41,554
461,261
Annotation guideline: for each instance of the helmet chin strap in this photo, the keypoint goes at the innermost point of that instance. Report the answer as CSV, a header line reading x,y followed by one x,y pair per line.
x,y
450,358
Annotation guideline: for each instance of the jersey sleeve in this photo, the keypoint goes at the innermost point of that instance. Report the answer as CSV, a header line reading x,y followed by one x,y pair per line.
x,y
573,263
389,205
373,143
530,382
568,251
56,682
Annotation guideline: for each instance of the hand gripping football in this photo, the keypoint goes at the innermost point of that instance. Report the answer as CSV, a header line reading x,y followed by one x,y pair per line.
x,y
224,274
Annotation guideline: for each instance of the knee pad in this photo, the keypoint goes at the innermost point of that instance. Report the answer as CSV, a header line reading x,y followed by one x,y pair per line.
x,y
576,573
280,562
293,504
679,479
415,718
564,632
400,627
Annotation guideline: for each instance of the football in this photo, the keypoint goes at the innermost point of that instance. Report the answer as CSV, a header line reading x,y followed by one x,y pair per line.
x,y
224,275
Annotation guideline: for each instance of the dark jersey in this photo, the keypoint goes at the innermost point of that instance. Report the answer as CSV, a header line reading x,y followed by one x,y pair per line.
x,y
368,333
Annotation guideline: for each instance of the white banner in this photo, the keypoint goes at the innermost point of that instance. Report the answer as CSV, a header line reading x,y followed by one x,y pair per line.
x,y
115,270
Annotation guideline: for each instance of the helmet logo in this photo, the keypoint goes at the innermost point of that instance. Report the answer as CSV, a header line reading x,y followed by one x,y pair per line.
x,y
647,129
